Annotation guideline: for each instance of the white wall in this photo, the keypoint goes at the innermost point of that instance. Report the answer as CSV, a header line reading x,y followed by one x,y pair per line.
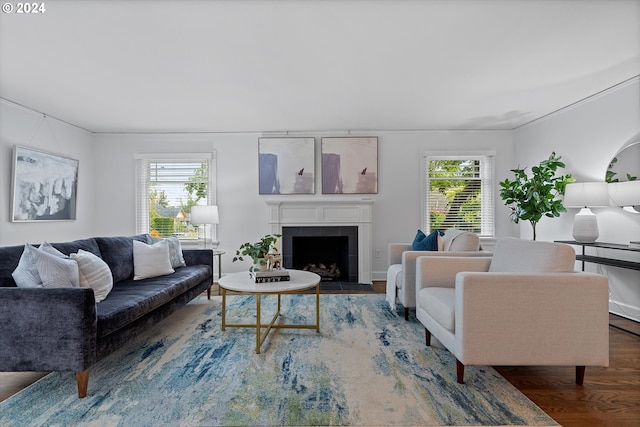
x,y
587,136
243,212
24,127
106,193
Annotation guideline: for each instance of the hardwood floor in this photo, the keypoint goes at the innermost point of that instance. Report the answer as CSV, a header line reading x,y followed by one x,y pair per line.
x,y
13,382
610,397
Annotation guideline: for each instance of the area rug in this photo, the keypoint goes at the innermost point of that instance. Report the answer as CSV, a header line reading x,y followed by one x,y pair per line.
x,y
367,366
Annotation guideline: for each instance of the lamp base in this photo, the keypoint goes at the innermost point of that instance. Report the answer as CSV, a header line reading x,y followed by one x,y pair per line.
x,y
585,226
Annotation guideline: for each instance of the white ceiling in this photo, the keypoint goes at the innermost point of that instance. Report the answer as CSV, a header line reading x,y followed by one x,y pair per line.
x,y
274,65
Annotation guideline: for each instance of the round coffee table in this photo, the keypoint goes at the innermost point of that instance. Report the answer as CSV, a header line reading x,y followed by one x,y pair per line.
x,y
244,284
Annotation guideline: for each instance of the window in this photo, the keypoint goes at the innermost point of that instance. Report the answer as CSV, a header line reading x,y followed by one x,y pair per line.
x,y
459,192
167,186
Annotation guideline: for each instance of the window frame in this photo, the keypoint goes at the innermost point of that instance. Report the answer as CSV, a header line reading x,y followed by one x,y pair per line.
x,y
487,158
142,184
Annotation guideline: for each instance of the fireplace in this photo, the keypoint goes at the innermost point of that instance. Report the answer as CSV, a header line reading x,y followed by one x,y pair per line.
x,y
340,215
331,252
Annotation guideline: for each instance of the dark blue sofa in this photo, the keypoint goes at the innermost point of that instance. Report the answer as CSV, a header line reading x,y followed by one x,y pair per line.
x,y
63,329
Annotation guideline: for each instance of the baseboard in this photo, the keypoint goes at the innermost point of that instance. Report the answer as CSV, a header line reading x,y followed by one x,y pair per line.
x,y
624,310
377,276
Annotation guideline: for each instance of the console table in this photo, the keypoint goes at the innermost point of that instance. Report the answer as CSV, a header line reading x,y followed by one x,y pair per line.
x,y
631,265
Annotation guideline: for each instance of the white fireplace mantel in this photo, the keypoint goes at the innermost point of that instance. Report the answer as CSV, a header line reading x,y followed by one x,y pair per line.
x,y
318,213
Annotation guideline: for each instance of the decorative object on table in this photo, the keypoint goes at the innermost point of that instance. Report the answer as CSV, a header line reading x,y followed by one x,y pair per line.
x,y
274,261
205,215
350,165
586,195
626,194
270,276
286,165
531,198
44,186
258,251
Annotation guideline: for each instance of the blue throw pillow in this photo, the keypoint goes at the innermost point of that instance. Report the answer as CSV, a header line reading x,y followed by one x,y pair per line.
x,y
422,242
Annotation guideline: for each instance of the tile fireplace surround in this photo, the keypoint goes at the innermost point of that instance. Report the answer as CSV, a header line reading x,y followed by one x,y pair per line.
x,y
330,213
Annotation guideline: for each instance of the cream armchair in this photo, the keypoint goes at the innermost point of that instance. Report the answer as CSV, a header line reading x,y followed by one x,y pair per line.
x,y
523,306
401,275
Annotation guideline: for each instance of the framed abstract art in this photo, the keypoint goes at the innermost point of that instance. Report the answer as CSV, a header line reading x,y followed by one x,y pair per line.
x,y
350,165
286,165
44,186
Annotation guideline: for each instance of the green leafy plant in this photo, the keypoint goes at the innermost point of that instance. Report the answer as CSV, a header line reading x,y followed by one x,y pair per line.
x,y
257,250
532,197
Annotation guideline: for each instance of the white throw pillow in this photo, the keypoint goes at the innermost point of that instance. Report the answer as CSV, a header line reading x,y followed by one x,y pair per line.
x,y
94,273
56,272
465,242
151,260
26,274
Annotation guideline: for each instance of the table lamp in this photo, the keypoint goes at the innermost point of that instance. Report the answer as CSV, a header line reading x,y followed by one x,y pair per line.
x,y
586,195
203,215
626,194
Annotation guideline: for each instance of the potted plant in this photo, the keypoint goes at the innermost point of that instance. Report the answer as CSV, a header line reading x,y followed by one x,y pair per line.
x,y
531,198
258,251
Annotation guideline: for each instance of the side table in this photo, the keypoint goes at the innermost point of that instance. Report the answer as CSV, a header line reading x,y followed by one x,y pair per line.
x,y
218,254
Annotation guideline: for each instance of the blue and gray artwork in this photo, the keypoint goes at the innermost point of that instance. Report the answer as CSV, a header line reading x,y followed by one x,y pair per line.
x,y
286,165
350,165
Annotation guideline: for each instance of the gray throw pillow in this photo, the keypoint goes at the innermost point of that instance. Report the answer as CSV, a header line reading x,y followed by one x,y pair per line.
x,y
175,250
26,274
55,271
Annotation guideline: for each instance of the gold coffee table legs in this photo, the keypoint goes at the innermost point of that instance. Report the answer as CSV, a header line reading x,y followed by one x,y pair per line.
x,y
261,336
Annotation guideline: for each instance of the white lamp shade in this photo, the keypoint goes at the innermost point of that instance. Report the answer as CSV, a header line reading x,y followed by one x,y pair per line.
x,y
204,215
626,193
589,194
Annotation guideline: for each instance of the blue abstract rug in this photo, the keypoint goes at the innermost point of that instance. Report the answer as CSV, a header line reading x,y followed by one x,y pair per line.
x,y
367,367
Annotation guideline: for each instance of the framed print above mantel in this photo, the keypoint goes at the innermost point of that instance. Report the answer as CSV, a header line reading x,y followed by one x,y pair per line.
x,y
286,165
350,165
44,186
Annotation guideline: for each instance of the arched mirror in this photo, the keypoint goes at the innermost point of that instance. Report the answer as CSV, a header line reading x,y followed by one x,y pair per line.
x,y
623,176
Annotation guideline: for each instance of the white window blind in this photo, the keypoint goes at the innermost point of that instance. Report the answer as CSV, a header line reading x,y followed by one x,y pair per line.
x,y
459,192
167,186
